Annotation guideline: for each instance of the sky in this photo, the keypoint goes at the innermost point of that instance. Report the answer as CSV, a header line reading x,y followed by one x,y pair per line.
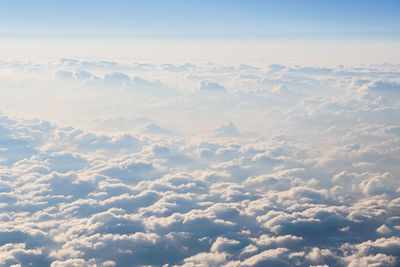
x,y
204,19
271,29
199,133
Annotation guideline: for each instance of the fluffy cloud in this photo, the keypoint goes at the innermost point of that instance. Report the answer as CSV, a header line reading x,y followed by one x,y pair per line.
x,y
211,86
311,178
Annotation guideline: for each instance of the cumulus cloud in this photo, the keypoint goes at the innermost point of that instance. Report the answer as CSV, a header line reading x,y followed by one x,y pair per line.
x,y
211,86
228,129
310,179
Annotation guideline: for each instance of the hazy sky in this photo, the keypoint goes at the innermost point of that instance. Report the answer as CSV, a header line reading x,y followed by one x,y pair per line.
x,y
360,31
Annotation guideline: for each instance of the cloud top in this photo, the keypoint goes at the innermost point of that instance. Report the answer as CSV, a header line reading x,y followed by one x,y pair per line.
x,y
306,175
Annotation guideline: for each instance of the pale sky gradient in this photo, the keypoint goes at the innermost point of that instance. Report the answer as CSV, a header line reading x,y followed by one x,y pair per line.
x,y
308,52
258,32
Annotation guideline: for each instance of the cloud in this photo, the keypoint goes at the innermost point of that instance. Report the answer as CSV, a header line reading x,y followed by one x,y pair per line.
x,y
228,130
73,75
275,67
116,78
64,74
177,68
152,128
310,178
211,86
385,86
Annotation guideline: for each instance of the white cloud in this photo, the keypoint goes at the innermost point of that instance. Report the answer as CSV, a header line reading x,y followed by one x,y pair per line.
x,y
211,86
228,130
311,178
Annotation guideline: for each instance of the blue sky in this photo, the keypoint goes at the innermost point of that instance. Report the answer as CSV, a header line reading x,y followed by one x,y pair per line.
x,y
351,19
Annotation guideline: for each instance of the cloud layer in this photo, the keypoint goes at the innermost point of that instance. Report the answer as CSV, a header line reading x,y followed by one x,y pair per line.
x,y
297,166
